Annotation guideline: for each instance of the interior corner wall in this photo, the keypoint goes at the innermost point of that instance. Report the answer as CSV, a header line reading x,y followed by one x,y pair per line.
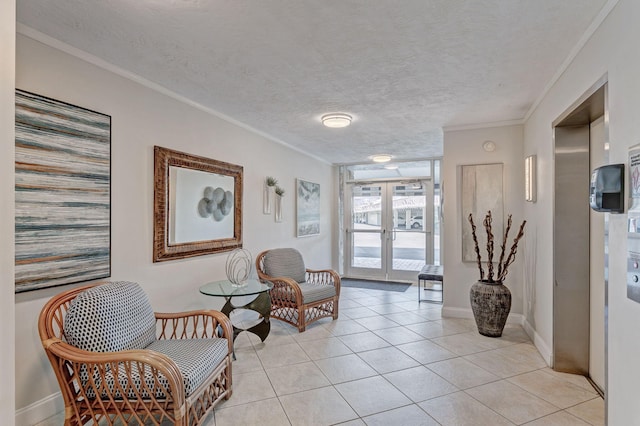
x,y
7,209
464,147
607,52
142,118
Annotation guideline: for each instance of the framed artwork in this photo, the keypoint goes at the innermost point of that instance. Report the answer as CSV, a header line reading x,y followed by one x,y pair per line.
x,y
307,208
481,191
633,224
63,193
197,205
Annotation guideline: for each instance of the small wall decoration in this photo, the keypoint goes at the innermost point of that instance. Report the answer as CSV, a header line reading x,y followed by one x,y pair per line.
x,y
269,187
279,191
481,191
197,205
308,208
63,193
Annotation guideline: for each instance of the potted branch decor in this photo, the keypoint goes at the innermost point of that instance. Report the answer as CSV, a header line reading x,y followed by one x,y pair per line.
x,y
490,298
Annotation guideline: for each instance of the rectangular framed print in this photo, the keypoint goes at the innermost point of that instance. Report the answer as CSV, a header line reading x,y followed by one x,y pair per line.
x,y
63,193
307,208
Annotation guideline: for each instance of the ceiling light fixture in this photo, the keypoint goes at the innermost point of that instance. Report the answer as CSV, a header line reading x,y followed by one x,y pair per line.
x,y
381,158
336,120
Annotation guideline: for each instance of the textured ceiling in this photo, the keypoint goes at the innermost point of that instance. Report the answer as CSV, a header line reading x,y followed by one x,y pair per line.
x,y
403,68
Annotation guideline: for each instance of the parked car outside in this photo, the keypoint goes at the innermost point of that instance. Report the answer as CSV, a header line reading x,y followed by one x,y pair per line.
x,y
416,222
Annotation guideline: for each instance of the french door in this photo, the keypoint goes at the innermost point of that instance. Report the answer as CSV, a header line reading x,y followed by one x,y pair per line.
x,y
389,229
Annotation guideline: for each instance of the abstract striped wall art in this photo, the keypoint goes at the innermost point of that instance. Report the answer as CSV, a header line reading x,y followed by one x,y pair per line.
x,y
63,193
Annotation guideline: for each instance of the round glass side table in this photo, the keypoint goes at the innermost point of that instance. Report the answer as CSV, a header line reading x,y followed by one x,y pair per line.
x,y
261,304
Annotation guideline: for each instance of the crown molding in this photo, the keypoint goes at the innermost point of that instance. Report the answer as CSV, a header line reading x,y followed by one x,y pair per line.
x,y
591,29
101,63
475,126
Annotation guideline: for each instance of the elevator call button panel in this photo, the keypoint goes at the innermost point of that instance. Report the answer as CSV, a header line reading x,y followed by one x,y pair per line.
x,y
633,226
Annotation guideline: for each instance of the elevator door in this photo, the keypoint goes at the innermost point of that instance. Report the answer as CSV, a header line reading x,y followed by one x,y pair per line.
x,y
580,241
571,251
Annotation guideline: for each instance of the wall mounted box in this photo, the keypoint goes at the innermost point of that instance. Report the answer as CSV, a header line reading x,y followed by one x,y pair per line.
x,y
606,192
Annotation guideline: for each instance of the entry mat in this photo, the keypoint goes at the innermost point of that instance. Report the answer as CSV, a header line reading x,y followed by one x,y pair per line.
x,y
375,285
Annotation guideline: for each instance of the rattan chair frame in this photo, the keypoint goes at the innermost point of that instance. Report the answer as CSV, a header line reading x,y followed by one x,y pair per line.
x,y
286,297
150,403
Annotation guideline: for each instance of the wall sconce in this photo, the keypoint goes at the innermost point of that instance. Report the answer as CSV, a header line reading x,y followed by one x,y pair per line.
x,y
530,178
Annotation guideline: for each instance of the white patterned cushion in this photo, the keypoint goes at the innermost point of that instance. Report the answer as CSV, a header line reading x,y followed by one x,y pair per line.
x,y
314,292
111,317
196,359
285,262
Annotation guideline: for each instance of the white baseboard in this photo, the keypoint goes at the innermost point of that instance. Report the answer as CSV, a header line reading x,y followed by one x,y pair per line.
x,y
456,312
468,313
40,410
539,343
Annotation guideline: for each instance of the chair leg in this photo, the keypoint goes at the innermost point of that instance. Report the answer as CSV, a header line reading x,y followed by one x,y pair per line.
x,y
229,380
302,320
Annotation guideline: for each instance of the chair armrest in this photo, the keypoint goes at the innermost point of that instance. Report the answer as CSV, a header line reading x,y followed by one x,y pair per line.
x,y
72,361
284,285
324,276
200,324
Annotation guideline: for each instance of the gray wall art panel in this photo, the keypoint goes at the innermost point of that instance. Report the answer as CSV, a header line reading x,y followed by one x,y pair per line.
x,y
481,191
63,193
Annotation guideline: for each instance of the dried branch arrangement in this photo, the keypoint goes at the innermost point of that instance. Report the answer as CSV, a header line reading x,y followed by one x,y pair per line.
x,y
503,264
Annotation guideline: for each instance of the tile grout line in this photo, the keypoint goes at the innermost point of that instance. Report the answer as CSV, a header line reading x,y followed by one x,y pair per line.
x,y
423,338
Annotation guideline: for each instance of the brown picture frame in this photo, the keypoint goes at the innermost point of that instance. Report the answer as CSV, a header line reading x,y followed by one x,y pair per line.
x,y
163,249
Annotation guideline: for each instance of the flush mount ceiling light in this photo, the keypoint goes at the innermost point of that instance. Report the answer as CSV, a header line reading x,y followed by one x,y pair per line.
x,y
336,120
381,158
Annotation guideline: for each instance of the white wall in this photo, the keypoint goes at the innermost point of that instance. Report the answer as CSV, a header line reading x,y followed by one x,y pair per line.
x,y
7,165
462,147
611,50
142,118
597,139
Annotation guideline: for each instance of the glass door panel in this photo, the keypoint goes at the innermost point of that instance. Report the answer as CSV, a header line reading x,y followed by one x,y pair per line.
x,y
411,226
366,230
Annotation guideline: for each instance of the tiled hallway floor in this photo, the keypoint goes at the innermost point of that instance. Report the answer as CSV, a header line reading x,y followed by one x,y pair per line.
x,y
391,361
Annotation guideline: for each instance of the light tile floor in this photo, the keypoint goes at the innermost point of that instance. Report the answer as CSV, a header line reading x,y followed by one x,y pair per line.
x,y
391,361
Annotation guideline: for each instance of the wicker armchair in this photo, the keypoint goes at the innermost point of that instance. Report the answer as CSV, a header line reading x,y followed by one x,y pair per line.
x,y
299,296
118,362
